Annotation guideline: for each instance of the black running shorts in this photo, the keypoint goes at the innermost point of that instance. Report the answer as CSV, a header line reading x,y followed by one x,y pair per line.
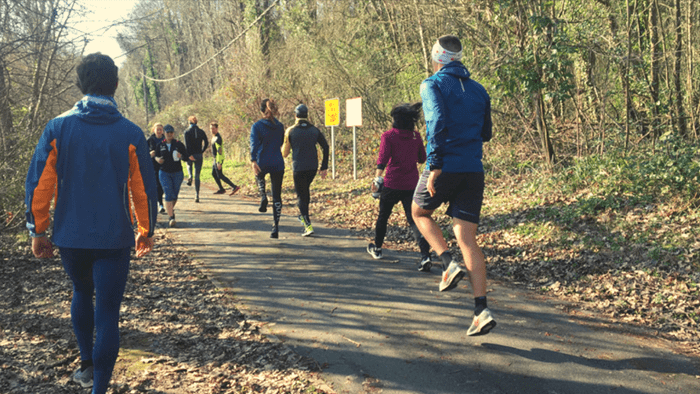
x,y
464,191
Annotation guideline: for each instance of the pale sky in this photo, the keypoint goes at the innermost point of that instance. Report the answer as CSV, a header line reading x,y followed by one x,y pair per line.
x,y
104,13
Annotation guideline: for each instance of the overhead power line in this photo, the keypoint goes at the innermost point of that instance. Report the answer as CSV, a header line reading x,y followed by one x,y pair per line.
x,y
217,53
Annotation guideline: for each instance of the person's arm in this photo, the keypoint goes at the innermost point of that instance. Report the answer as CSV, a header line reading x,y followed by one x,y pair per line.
x,y
182,149
152,145
487,129
142,184
254,147
159,158
286,146
324,148
219,147
435,120
421,149
39,190
206,140
384,152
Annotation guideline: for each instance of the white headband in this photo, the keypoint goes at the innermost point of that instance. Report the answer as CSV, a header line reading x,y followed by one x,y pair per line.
x,y
443,56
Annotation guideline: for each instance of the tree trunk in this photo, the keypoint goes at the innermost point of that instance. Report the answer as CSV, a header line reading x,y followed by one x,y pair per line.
x,y
5,111
655,59
426,57
626,77
543,130
680,113
690,88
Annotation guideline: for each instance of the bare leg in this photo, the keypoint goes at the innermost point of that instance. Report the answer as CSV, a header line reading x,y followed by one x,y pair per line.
x,y
473,257
430,230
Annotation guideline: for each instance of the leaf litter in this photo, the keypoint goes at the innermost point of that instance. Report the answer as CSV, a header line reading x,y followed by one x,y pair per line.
x,y
178,332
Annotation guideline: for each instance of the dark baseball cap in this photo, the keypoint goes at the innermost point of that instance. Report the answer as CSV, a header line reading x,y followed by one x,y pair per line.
x,y
168,128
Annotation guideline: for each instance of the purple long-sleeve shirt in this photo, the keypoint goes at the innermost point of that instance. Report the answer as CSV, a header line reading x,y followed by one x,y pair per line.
x,y
399,152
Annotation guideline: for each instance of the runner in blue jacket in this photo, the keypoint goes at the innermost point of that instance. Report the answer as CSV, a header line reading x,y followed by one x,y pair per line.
x,y
266,139
95,163
457,113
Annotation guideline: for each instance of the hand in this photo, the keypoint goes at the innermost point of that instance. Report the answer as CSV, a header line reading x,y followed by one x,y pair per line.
x,y
42,248
160,160
256,169
153,153
218,166
431,181
143,245
323,174
191,158
373,187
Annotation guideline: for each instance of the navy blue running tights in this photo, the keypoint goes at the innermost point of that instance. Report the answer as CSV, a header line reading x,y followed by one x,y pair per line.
x,y
102,272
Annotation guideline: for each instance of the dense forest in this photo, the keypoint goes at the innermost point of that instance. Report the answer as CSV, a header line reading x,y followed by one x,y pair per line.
x,y
568,79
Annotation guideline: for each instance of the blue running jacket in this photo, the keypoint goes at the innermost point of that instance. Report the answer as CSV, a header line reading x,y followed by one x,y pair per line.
x,y
94,163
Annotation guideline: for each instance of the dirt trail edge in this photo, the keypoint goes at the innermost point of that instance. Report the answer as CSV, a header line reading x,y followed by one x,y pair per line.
x,y
381,326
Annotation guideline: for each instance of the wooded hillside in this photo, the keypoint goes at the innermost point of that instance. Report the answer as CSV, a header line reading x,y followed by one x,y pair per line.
x,y
567,79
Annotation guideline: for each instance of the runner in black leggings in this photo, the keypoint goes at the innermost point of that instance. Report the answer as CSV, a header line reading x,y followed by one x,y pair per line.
x,y
301,139
266,138
217,151
400,150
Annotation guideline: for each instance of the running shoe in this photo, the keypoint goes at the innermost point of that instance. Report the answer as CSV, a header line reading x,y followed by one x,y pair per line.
x,y
235,190
425,264
374,251
275,232
482,324
220,191
161,209
196,199
308,230
189,181
172,222
84,378
263,206
451,276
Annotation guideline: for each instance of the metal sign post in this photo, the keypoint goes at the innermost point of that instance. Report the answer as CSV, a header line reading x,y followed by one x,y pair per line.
x,y
353,118
332,120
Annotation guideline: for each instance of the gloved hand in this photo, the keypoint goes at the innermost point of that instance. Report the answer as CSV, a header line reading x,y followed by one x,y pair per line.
x,y
377,185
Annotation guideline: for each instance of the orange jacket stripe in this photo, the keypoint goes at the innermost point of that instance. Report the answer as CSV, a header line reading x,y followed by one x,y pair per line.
x,y
138,193
45,188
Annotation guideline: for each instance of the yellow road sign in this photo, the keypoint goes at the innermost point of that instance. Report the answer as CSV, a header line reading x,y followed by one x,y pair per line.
x,y
333,112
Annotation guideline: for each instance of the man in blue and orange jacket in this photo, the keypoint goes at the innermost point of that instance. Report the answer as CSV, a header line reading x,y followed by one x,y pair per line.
x,y
95,163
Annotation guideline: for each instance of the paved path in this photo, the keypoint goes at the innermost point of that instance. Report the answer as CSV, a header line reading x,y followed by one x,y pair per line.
x,y
382,326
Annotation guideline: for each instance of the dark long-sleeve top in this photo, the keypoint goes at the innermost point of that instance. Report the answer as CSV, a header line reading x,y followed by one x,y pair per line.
x,y
301,139
266,138
165,151
399,153
153,142
196,140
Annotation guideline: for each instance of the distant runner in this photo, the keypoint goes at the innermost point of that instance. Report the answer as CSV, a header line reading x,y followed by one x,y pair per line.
x,y
169,155
266,138
156,138
301,139
217,152
401,148
457,113
196,142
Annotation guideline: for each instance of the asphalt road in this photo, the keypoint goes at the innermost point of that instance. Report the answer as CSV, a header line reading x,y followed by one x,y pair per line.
x,y
381,326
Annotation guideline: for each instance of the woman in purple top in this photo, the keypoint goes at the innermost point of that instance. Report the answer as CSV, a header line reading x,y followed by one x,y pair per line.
x,y
400,150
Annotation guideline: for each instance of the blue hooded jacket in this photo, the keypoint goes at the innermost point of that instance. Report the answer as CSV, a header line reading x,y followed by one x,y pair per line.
x,y
96,163
457,113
